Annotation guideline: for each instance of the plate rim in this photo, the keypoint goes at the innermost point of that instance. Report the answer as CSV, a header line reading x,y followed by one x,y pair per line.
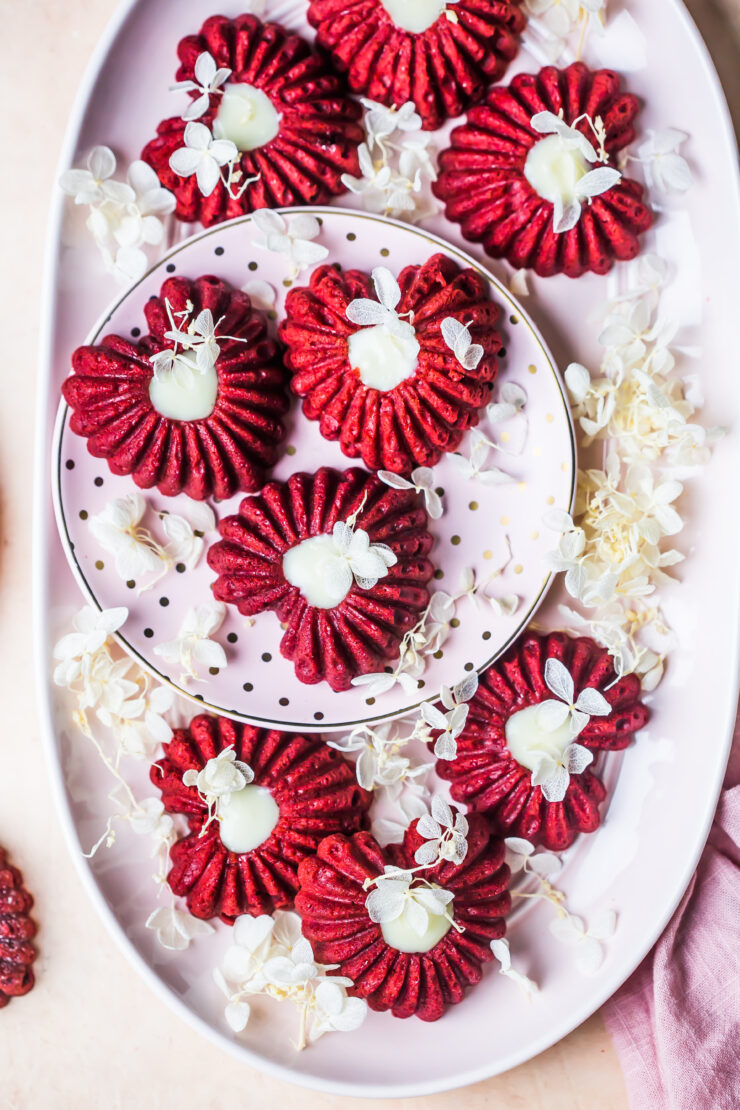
x,y
41,535
201,701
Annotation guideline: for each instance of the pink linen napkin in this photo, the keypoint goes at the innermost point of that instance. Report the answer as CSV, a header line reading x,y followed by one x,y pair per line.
x,y
676,1022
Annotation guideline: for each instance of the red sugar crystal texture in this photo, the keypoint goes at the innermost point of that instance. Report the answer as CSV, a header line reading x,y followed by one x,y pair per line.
x,y
320,126
487,778
17,931
428,413
331,902
217,456
485,191
313,786
442,69
363,632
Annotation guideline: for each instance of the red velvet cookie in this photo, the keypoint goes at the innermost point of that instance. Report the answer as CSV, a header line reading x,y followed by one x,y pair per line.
x,y
360,633
225,450
442,61
486,776
483,183
17,930
331,902
412,423
318,126
312,785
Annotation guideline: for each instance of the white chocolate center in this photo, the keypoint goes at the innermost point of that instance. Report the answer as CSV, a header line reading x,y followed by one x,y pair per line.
x,y
399,934
528,741
414,15
185,396
382,359
247,817
553,170
247,116
306,566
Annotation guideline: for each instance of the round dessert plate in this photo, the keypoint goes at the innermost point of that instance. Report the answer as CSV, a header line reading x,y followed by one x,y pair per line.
x,y
495,530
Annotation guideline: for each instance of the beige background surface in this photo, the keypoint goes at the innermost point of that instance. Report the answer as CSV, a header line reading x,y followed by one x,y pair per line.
x,y
91,1034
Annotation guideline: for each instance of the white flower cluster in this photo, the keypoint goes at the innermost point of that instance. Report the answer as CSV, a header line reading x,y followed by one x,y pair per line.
x,y
193,646
552,773
509,409
357,560
422,481
175,929
271,957
125,216
449,724
118,530
205,153
613,549
591,184
134,711
445,834
411,902
195,347
665,169
366,312
395,163
402,894
457,337
217,780
434,626
124,697
384,760
556,24
567,927
292,236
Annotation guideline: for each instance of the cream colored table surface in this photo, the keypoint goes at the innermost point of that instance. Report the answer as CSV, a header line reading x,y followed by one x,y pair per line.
x,y
91,1035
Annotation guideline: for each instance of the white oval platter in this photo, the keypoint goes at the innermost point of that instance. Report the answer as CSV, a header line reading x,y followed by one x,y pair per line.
x,y
663,792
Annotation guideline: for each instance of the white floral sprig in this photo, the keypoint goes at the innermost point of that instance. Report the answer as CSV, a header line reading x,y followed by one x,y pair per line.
x,y
395,163
586,941
502,952
665,169
540,867
366,312
125,216
292,236
448,725
445,834
473,465
422,481
592,184
434,626
357,560
383,760
217,780
270,957
556,26
193,647
118,530
136,712
124,696
565,707
205,157
614,550
551,772
175,929
195,345
208,81
511,403
457,337
410,901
